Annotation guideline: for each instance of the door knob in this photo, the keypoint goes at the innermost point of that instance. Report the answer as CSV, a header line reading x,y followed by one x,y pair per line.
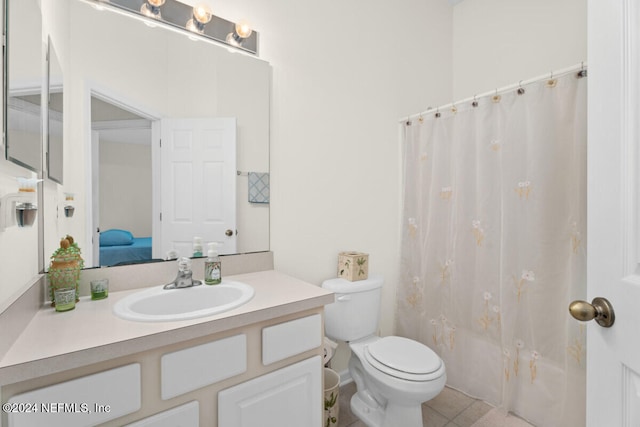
x,y
600,309
229,233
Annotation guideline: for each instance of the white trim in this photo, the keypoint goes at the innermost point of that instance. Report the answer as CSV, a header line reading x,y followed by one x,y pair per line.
x,y
345,377
156,191
121,124
111,96
19,104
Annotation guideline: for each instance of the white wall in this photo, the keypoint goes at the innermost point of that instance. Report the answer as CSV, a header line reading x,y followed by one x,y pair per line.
x,y
500,42
343,74
125,183
18,246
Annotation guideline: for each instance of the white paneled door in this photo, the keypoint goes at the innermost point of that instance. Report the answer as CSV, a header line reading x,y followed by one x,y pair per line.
x,y
198,184
613,354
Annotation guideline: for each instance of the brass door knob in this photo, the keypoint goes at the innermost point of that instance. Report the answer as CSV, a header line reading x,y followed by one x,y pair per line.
x,y
600,309
229,233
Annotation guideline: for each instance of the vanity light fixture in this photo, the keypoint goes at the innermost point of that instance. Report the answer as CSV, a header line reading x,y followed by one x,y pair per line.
x,y
196,21
201,17
241,32
151,8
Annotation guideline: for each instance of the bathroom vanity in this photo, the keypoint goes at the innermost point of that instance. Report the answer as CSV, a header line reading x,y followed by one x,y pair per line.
x,y
255,365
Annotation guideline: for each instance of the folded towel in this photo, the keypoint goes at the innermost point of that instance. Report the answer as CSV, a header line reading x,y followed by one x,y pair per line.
x,y
258,187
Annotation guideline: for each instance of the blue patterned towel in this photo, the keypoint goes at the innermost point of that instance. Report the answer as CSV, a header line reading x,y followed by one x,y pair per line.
x,y
258,187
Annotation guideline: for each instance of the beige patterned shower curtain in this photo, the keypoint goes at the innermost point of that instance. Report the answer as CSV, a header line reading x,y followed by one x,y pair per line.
x,y
494,246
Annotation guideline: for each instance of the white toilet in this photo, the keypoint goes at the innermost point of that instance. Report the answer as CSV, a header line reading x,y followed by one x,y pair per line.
x,y
393,375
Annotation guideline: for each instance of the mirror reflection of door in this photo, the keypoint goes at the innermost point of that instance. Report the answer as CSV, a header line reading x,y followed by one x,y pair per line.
x,y
122,195
144,210
198,185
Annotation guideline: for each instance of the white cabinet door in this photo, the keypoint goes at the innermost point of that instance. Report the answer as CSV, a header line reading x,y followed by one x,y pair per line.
x,y
288,397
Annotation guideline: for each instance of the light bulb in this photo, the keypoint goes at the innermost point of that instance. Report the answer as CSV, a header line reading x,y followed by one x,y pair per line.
x,y
202,13
151,8
194,26
243,29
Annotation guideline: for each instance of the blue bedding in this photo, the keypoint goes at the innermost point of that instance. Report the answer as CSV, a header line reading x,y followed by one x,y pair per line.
x,y
140,249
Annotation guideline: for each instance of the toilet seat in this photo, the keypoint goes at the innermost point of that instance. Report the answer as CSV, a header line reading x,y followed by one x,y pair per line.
x,y
404,358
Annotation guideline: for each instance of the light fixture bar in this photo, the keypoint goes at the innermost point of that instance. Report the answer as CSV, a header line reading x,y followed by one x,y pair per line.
x,y
177,14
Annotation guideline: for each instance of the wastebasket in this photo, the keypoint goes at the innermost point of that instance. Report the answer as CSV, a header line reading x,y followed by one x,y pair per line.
x,y
331,390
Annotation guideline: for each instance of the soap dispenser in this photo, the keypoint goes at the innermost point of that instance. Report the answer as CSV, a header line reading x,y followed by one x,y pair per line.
x,y
212,266
197,247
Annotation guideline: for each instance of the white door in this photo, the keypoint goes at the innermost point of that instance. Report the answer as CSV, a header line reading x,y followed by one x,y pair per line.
x,y
198,184
95,198
613,354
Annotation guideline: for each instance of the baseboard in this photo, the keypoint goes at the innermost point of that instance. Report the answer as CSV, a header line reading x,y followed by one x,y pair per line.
x,y
345,377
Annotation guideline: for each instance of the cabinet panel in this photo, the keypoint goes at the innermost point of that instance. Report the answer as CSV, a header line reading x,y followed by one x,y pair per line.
x,y
192,368
288,397
290,338
187,415
85,401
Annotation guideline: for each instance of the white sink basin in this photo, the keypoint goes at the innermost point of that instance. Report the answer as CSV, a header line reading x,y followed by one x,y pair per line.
x,y
164,305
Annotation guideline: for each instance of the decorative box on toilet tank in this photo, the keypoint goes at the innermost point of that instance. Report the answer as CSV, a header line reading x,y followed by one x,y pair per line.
x,y
353,266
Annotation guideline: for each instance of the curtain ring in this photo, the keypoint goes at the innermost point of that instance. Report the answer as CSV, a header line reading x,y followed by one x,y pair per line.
x,y
552,82
496,98
474,104
437,113
420,119
454,109
582,73
520,88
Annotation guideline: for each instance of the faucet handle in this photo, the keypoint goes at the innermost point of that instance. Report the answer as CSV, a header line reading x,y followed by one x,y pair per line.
x,y
184,264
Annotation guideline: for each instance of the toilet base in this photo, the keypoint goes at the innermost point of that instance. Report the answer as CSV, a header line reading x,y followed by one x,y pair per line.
x,y
391,416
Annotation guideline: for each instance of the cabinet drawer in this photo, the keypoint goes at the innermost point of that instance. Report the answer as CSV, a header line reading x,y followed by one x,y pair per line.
x,y
290,338
192,368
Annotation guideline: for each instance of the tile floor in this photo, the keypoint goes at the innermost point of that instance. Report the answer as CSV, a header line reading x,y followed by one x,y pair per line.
x,y
449,409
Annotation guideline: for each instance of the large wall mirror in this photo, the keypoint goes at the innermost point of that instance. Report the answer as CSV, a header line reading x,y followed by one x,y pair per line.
x,y
163,135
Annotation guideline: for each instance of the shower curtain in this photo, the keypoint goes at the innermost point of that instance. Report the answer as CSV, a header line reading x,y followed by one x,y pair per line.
x,y
493,246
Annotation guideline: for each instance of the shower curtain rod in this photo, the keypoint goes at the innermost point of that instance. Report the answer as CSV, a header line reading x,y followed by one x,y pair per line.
x,y
521,83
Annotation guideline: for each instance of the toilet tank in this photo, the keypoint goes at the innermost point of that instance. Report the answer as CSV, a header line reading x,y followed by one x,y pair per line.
x,y
356,312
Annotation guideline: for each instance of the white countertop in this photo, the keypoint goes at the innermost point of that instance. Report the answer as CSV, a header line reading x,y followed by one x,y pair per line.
x,y
91,333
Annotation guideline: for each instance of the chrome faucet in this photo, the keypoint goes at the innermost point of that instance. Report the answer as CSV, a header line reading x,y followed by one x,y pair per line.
x,y
183,279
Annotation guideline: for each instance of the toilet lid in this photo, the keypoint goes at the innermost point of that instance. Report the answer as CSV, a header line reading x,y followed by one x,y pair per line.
x,y
403,355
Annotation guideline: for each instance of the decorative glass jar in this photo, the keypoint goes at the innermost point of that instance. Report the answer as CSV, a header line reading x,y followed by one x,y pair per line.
x,y
64,270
